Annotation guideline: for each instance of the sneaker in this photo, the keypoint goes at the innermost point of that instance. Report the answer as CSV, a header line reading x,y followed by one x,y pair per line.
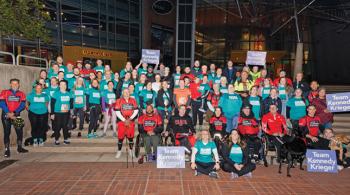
x,y
197,173
119,153
79,134
41,143
340,167
213,174
20,149
249,175
234,175
90,136
66,142
7,153
57,142
35,143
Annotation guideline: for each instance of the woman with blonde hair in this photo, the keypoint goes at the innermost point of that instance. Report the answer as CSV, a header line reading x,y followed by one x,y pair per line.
x,y
236,157
202,156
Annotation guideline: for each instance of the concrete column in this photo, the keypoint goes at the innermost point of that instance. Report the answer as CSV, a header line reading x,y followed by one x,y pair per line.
x,y
298,62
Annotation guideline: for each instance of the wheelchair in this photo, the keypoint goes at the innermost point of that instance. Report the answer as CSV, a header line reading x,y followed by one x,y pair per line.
x,y
268,148
164,141
252,142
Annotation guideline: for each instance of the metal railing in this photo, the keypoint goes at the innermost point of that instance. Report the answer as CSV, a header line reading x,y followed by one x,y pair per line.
x,y
10,54
34,58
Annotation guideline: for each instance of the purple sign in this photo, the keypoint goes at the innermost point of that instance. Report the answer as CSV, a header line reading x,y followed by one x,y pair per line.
x,y
324,161
338,102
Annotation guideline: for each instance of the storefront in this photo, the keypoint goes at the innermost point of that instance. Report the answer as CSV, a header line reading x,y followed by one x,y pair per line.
x,y
116,59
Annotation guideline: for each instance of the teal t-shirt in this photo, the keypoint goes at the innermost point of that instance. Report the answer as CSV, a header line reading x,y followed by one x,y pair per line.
x,y
256,105
223,89
104,84
62,104
297,107
115,83
231,104
176,78
51,90
38,102
236,154
265,92
62,68
141,71
68,75
217,80
126,84
71,82
79,97
203,88
282,92
100,69
109,96
52,74
148,96
94,96
139,87
205,151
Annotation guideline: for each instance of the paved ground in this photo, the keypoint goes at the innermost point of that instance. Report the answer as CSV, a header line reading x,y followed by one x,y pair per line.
x,y
114,178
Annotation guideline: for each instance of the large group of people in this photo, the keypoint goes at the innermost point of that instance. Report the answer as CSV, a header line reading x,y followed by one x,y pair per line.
x,y
240,106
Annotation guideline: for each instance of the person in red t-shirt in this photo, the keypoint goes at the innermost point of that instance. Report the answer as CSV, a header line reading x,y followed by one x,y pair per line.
x,y
150,127
310,127
12,103
126,110
275,127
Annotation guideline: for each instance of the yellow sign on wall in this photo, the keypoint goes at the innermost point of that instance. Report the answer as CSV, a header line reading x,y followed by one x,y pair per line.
x,y
74,53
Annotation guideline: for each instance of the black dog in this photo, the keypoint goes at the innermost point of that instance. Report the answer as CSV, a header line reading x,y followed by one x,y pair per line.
x,y
294,148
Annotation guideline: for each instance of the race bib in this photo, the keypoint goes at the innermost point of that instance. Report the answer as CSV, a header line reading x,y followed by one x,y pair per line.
x,y
205,151
201,88
299,103
39,99
51,93
223,90
282,92
232,97
182,100
96,95
65,98
149,96
236,150
125,85
69,76
79,92
177,82
79,100
266,91
64,108
255,103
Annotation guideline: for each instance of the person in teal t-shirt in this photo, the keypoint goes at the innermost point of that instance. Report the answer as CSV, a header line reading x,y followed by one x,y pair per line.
x,y
236,157
61,110
255,102
231,104
79,105
108,103
99,67
37,103
147,96
296,108
265,89
93,105
204,153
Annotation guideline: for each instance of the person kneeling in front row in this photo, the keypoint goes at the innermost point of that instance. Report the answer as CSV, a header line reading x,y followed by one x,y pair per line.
x,y
236,157
202,156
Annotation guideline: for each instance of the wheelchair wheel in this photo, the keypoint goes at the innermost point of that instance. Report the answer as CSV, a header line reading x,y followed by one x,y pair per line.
x,y
137,146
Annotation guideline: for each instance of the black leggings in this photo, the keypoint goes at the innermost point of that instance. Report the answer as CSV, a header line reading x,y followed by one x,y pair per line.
x,y
6,123
38,123
61,122
249,167
94,117
205,168
130,140
196,113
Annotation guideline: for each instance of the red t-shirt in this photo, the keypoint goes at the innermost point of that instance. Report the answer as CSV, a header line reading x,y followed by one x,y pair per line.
x,y
149,123
218,122
312,124
126,107
195,93
12,100
248,126
274,124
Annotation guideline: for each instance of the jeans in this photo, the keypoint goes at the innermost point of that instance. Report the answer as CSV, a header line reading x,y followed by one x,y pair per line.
x,y
232,123
196,105
38,123
151,140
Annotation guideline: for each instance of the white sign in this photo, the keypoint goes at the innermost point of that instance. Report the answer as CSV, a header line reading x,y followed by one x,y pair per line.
x,y
338,102
150,56
256,58
170,157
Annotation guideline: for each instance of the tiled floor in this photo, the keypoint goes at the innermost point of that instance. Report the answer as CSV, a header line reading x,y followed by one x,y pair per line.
x,y
115,178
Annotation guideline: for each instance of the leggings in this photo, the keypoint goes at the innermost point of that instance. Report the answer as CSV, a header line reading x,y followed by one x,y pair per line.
x,y
61,122
196,113
38,123
110,118
249,167
94,116
120,143
205,168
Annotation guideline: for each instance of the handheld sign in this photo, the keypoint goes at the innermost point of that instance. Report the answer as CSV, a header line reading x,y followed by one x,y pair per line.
x,y
324,161
256,58
170,157
150,56
338,102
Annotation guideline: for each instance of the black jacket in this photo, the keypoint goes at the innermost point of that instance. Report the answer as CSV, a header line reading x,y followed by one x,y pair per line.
x,y
231,78
160,98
